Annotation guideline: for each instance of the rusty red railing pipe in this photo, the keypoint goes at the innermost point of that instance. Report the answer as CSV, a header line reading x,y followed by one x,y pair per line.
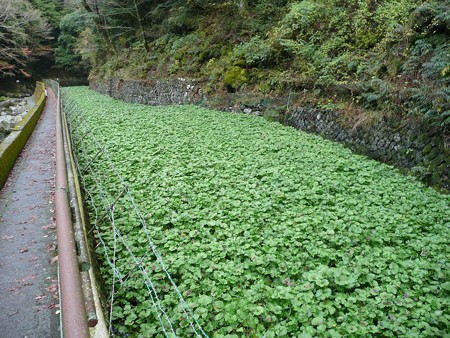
x,y
74,323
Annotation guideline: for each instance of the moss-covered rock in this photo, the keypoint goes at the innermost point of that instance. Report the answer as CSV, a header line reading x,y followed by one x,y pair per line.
x,y
235,77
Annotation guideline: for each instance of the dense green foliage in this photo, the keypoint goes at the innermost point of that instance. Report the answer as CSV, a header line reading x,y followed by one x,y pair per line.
x,y
72,25
52,10
37,34
390,56
267,231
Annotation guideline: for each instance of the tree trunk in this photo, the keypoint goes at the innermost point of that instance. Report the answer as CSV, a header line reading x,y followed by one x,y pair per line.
x,y
141,28
104,33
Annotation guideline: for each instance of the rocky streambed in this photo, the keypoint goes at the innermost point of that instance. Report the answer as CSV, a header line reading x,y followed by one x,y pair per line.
x,y
12,111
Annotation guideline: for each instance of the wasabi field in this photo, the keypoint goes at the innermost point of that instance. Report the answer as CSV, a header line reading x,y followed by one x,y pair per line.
x,y
227,225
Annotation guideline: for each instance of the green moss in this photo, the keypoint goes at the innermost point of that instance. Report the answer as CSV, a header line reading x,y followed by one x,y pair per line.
x,y
235,77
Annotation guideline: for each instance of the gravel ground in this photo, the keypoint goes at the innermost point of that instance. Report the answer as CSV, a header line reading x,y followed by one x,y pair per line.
x,y
28,261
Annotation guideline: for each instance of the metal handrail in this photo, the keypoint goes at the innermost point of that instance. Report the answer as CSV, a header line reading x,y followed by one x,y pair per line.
x,y
79,227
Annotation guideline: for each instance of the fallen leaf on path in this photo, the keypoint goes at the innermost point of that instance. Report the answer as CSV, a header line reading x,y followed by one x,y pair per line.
x,y
17,288
53,260
41,297
13,313
51,306
49,226
52,288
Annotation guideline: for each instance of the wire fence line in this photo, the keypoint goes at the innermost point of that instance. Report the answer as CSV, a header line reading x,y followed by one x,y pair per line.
x,y
109,205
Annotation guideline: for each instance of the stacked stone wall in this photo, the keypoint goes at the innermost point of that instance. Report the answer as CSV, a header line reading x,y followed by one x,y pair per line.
x,y
179,91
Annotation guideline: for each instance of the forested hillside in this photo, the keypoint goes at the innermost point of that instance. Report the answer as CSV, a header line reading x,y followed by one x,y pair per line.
x,y
389,56
22,30
382,57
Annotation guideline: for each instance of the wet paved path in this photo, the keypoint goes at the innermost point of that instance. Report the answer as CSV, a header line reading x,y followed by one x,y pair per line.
x,y
28,268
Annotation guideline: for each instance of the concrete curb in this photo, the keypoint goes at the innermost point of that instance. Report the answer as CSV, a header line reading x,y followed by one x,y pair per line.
x,y
11,147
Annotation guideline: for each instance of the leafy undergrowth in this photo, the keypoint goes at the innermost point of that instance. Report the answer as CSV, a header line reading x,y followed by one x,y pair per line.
x,y
272,232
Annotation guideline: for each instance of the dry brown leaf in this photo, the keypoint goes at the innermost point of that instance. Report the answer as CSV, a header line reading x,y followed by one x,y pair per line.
x,y
41,297
52,288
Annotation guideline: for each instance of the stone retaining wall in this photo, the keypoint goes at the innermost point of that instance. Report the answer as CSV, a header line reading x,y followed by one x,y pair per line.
x,y
179,91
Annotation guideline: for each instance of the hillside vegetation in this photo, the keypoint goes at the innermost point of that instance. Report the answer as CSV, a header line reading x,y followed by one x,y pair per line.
x,y
377,57
388,56
25,36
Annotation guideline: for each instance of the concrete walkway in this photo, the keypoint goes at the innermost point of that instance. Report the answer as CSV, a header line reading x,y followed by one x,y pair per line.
x,y
28,267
